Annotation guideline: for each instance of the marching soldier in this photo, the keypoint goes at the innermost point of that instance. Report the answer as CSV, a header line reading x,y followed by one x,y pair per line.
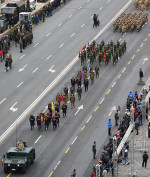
x,y
82,57
92,77
38,119
57,107
97,71
72,90
78,81
54,122
73,82
66,91
73,174
46,123
79,91
64,98
57,117
86,83
21,45
79,75
32,121
72,100
49,117
50,107
8,56
58,98
84,74
84,68
100,56
64,109
91,68
124,43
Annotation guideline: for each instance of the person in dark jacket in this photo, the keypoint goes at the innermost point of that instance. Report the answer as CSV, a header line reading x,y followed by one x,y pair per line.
x,y
6,64
145,158
141,74
32,121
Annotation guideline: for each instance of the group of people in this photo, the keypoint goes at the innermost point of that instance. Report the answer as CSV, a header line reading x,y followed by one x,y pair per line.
x,y
105,160
111,51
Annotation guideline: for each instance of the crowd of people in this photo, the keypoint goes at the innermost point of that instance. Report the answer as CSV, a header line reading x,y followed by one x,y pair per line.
x,y
106,162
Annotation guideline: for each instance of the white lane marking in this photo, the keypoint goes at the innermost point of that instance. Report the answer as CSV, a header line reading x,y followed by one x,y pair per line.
x,y
72,35
149,35
35,70
74,140
91,16
55,167
49,57
19,84
124,70
48,34
38,139
2,100
82,85
88,61
51,69
89,119
36,44
113,109
46,107
22,69
59,24
87,0
82,25
14,109
70,15
79,8
101,8
22,56
68,102
61,45
58,163
108,1
56,80
141,45
113,84
133,57
102,100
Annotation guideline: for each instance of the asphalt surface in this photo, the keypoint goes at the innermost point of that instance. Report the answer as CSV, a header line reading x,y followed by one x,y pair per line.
x,y
70,145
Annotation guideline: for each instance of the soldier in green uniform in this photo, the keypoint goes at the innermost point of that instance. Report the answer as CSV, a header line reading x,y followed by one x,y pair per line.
x,y
84,53
43,15
100,56
91,58
120,51
82,57
97,71
9,57
124,43
21,45
92,77
84,68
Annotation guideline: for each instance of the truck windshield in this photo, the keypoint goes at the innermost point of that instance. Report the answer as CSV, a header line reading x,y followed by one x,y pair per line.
x,y
12,154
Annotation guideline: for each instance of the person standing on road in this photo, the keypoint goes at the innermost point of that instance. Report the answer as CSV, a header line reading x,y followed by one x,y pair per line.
x,y
73,174
72,100
109,127
64,109
79,91
94,150
6,64
145,158
116,117
141,74
86,83
126,162
32,121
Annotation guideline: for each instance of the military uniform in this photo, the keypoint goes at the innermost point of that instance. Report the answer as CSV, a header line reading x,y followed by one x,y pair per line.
x,y
50,107
92,77
79,91
64,98
38,119
94,149
8,56
57,117
72,90
58,98
21,45
73,82
72,100
57,106
86,83
64,109
32,121
97,71
66,91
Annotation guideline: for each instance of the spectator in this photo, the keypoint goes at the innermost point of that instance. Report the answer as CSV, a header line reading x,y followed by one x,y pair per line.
x,y
145,158
109,127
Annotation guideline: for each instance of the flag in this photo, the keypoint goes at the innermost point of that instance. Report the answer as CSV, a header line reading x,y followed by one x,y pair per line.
x,y
42,119
61,98
88,67
52,106
94,48
104,57
84,47
79,54
111,57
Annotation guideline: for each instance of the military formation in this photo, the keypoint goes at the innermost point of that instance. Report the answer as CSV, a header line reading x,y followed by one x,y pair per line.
x,y
141,4
83,78
130,21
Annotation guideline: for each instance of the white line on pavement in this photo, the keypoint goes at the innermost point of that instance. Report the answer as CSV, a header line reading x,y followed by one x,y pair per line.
x,y
79,7
87,0
89,119
45,109
2,100
22,56
48,34
149,35
133,57
38,139
101,8
108,1
82,25
74,140
58,163
77,112
88,61
55,167
49,57
36,44
82,85
68,102
124,70
14,104
70,15
35,70
141,45
56,80
59,24
61,45
91,16
19,84
72,35
113,84
102,100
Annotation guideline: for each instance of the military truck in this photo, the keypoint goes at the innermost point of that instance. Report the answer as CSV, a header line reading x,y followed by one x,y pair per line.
x,y
17,159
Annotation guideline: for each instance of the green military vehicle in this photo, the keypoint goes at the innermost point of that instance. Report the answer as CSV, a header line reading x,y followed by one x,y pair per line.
x,y
17,159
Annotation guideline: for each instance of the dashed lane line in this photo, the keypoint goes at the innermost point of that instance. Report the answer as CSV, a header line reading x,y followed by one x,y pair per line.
x,y
51,174
59,24
141,45
89,119
67,150
133,57
9,174
79,7
91,16
120,39
108,1
138,50
74,140
149,35
22,56
48,34
129,62
49,57
108,91
119,76
82,25
61,45
19,84
70,15
113,84
2,100
72,35
96,108
145,39
38,139
82,128
102,101
124,70
35,70
101,8
36,44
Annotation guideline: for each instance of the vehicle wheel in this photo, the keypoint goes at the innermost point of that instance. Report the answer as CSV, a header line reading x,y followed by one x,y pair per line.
x,y
6,170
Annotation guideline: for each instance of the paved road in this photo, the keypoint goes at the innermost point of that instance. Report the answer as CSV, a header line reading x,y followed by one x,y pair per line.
x,y
52,145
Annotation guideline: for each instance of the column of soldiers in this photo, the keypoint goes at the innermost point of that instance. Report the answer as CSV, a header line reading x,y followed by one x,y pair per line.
x,y
52,117
141,4
130,21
